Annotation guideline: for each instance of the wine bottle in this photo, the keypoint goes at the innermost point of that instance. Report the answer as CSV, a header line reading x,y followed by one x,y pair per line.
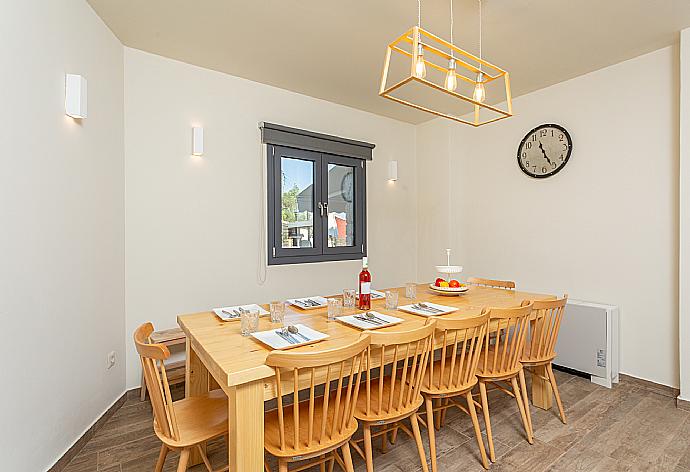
x,y
365,286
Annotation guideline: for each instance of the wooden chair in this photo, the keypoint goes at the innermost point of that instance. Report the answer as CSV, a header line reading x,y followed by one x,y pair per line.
x,y
393,397
504,284
454,374
540,348
184,424
175,370
312,430
500,362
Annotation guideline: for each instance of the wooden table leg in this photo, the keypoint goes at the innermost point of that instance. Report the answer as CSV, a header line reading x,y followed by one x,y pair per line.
x,y
196,383
246,427
542,395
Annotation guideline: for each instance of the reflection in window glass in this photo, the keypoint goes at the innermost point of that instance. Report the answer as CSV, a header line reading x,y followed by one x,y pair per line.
x,y
297,203
341,209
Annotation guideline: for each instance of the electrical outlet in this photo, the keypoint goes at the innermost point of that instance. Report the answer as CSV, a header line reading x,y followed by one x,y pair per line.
x,y
111,359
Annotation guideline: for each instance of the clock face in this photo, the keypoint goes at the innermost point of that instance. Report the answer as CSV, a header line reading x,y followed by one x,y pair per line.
x,y
544,151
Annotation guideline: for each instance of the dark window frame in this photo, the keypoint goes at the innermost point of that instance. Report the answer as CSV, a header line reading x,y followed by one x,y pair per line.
x,y
320,252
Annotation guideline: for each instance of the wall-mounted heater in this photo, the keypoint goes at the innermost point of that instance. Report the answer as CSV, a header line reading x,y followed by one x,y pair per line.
x,y
588,341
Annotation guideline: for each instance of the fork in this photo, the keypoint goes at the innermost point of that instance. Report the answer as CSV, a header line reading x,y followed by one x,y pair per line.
x,y
424,305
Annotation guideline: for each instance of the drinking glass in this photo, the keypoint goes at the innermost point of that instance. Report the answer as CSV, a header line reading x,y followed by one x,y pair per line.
x,y
249,321
335,308
411,290
349,296
277,312
391,299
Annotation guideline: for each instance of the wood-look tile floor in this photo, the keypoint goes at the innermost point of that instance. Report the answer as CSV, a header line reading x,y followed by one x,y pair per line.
x,y
631,427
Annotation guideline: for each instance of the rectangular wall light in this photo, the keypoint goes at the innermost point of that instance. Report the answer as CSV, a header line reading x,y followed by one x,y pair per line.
x,y
197,141
393,171
75,96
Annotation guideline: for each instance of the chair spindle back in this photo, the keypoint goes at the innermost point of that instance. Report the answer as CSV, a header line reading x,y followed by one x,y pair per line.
x,y
408,354
504,284
505,339
462,341
152,362
543,331
308,368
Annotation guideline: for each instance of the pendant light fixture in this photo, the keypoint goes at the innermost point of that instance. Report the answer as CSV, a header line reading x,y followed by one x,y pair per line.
x,y
479,91
463,80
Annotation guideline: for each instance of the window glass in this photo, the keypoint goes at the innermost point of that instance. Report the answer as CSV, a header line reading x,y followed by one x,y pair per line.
x,y
341,213
297,203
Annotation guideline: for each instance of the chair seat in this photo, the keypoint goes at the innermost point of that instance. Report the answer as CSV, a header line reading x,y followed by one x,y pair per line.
x,y
498,374
328,442
529,360
199,419
385,415
433,389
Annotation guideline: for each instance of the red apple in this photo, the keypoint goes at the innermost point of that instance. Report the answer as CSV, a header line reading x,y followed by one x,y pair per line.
x,y
438,282
454,284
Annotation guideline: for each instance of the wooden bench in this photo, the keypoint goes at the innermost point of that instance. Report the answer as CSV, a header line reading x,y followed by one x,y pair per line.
x,y
174,370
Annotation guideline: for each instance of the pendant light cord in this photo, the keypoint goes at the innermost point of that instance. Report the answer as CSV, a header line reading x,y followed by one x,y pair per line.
x,y
451,25
480,29
419,13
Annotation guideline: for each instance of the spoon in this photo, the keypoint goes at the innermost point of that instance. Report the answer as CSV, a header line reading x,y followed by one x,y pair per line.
x,y
294,330
372,316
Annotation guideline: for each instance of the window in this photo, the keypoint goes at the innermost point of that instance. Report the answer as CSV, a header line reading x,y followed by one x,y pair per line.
x,y
316,206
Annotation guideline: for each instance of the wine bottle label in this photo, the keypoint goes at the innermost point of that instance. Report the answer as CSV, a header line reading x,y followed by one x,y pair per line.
x,y
366,288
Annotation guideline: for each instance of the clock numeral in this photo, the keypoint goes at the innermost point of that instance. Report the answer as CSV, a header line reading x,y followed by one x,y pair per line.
x,y
561,157
534,137
553,164
534,169
527,163
543,170
542,133
552,133
560,137
524,155
528,145
565,147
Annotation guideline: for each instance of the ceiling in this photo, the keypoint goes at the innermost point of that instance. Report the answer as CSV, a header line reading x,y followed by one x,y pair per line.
x,y
334,50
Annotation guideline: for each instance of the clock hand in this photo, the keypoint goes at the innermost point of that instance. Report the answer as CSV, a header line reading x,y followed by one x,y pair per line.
x,y
544,152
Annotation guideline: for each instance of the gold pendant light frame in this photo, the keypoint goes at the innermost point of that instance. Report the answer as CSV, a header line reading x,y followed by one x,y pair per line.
x,y
482,73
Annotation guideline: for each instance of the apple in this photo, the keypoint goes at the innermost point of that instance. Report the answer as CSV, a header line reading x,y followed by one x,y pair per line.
x,y
454,284
438,281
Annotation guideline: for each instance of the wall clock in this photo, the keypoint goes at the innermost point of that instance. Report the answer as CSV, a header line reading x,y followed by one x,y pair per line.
x,y
544,151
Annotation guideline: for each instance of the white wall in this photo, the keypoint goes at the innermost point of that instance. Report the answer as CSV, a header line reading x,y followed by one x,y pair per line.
x,y
603,229
684,217
62,236
192,224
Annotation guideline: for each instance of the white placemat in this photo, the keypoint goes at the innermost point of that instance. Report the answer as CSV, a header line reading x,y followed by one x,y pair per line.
x,y
229,313
274,340
304,304
360,320
434,309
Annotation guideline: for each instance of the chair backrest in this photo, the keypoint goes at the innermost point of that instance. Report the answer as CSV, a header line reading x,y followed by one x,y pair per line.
x,y
408,353
543,331
152,358
505,284
505,339
338,413
461,341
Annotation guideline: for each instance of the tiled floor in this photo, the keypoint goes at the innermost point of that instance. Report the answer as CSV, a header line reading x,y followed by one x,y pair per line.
x,y
631,427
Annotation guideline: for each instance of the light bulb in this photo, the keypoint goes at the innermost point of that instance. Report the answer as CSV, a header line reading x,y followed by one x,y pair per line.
x,y
451,77
479,93
419,68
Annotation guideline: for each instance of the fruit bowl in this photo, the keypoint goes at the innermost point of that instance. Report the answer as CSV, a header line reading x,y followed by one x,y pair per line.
x,y
449,291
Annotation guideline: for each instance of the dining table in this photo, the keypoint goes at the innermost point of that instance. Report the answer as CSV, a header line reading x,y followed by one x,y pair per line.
x,y
218,356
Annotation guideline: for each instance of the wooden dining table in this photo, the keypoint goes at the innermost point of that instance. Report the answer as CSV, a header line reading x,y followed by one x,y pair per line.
x,y
219,356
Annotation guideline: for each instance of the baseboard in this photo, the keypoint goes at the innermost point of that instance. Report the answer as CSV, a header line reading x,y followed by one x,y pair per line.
x,y
661,389
67,457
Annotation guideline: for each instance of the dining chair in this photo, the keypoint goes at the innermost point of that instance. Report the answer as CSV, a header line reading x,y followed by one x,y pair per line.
x,y
312,429
540,348
395,394
453,375
500,363
183,425
504,284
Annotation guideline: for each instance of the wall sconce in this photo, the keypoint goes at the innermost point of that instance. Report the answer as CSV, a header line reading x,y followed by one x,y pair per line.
x,y
75,96
393,171
197,141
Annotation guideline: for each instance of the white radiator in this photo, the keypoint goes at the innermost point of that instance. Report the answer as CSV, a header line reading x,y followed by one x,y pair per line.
x,y
588,341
